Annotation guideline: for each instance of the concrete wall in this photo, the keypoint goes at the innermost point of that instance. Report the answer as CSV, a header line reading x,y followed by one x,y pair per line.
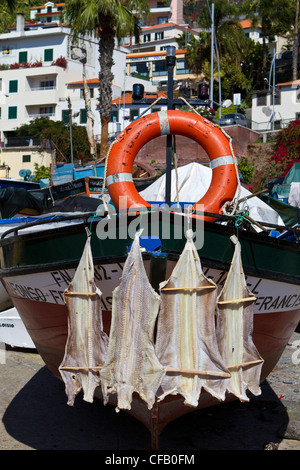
x,y
13,157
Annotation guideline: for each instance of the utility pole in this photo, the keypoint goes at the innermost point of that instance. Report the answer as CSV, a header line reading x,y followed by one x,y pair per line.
x,y
71,137
212,56
171,60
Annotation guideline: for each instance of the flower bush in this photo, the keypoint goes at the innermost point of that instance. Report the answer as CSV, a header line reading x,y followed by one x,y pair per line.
x,y
60,62
286,151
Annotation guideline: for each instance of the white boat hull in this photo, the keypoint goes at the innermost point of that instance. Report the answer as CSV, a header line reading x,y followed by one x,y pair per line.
x,y
13,331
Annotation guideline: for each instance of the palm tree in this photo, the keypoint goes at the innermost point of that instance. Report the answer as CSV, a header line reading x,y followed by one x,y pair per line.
x,y
107,19
229,34
274,16
11,4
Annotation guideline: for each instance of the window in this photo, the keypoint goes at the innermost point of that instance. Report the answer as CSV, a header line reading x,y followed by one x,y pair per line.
x,y
277,99
47,84
48,55
134,113
48,111
91,93
26,158
83,116
13,86
262,99
114,117
160,67
65,116
162,20
6,50
181,67
159,35
140,68
22,57
147,37
12,112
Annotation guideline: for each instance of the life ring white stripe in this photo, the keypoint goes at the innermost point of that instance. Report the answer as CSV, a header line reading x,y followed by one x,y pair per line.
x,y
226,160
164,122
118,178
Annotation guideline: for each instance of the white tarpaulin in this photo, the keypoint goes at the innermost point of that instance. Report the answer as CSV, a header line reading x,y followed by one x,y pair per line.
x,y
193,182
294,196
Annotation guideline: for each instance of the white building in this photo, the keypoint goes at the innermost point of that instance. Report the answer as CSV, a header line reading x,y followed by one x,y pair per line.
x,y
279,43
75,92
36,66
147,57
284,108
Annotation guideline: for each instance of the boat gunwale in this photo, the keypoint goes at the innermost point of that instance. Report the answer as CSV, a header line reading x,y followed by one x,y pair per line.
x,y
89,221
170,256
94,218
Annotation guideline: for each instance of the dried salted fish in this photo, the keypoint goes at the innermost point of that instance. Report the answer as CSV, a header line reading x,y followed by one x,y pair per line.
x,y
131,364
186,339
234,330
87,343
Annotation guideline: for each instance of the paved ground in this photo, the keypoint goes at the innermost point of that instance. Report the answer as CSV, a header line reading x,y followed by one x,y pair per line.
x,y
35,416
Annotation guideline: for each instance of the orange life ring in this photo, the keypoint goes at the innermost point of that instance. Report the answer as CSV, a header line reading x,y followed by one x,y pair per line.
x,y
120,160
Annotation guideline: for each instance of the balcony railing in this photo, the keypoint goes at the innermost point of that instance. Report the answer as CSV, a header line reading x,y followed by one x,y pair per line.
x,y
36,88
38,115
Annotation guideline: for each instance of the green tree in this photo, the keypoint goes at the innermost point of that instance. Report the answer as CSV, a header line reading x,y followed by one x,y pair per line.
x,y
197,51
58,133
273,16
229,34
107,19
232,46
11,4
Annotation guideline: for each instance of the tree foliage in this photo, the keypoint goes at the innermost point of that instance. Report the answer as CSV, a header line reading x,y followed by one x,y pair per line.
x,y
9,9
58,133
107,19
243,63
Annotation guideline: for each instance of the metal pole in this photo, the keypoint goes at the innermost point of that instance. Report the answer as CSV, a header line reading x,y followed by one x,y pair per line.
x,y
274,89
70,125
212,56
171,59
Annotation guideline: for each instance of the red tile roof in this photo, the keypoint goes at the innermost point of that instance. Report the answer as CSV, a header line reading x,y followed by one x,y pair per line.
x,y
128,97
90,81
293,82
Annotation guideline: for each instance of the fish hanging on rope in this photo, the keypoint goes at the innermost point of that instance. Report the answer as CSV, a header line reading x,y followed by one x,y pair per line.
x,y
87,343
131,364
186,341
234,330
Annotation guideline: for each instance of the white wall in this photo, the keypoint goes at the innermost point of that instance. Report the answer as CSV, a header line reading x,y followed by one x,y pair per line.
x,y
14,159
286,111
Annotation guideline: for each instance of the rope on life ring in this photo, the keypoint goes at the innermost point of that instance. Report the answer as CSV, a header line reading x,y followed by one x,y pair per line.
x,y
120,160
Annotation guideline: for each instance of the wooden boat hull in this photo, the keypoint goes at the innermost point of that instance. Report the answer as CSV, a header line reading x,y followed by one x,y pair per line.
x,y
38,267
46,324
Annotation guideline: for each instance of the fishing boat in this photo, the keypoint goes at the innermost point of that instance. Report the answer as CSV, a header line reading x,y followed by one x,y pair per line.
x,y
13,331
142,173
44,265
69,188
